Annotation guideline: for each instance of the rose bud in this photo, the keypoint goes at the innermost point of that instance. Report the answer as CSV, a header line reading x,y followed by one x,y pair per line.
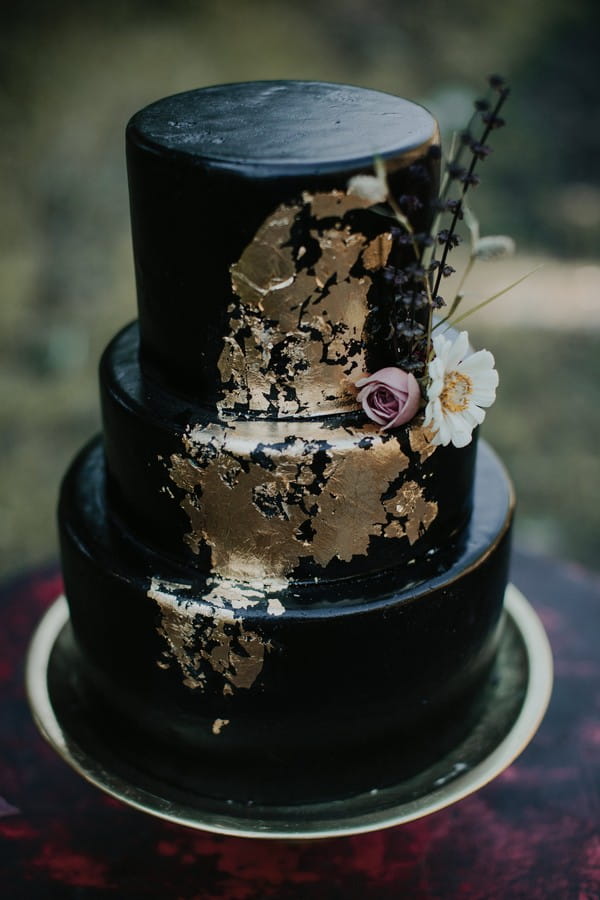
x,y
389,397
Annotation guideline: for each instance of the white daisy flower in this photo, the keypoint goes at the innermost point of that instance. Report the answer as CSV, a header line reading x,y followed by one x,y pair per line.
x,y
460,386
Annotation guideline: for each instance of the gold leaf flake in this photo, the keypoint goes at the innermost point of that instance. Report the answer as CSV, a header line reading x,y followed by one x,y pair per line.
x,y
420,440
350,506
376,253
296,332
409,504
330,481
334,204
203,636
218,725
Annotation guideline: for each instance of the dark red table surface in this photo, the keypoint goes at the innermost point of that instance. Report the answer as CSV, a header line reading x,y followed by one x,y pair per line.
x,y
532,833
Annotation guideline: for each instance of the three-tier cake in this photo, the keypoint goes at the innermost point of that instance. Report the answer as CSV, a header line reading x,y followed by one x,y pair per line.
x,y
271,592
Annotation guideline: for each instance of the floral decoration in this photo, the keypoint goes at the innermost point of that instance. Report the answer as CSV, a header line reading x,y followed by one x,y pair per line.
x,y
390,397
431,370
460,386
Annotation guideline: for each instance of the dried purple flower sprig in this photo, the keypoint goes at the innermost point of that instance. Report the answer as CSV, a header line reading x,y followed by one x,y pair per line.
x,y
479,151
415,286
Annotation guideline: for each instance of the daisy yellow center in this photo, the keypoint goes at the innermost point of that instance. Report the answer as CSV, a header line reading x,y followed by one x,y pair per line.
x,y
456,392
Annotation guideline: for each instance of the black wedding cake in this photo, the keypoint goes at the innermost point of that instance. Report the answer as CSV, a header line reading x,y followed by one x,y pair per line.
x,y
284,560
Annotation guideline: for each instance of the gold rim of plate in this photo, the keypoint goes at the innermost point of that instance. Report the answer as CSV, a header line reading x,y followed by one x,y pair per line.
x,y
310,821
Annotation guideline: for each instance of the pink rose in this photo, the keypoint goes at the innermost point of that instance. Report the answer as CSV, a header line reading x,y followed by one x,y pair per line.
x,y
390,397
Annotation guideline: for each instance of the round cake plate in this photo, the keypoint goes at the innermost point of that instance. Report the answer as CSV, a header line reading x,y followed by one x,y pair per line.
x,y
517,699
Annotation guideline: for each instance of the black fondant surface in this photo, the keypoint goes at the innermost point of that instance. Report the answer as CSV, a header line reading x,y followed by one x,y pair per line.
x,y
337,677
273,778
284,127
144,425
196,204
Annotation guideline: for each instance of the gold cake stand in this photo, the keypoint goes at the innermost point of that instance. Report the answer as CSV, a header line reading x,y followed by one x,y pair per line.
x,y
517,699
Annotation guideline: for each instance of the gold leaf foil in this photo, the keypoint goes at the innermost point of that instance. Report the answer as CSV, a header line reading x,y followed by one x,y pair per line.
x,y
218,725
334,204
295,331
177,629
420,440
204,636
350,507
411,513
317,493
375,254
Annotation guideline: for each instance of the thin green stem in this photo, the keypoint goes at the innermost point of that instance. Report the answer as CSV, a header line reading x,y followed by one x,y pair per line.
x,y
485,302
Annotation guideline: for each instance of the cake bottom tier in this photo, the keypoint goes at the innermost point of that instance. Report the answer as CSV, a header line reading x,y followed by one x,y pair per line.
x,y
248,690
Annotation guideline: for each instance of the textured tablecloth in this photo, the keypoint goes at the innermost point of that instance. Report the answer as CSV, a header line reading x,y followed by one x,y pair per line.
x,y
533,833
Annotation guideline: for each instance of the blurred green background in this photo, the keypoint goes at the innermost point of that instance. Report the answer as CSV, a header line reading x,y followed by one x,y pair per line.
x,y
72,74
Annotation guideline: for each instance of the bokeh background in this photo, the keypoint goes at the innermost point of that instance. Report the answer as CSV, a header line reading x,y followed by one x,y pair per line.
x,y
72,73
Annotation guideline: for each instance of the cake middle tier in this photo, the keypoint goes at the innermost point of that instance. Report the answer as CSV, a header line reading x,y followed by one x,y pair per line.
x,y
280,500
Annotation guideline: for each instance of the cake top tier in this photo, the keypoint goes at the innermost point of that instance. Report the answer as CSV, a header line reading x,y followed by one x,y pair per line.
x,y
259,273
283,127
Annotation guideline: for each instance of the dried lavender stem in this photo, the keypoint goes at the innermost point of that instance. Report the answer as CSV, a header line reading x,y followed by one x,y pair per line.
x,y
458,210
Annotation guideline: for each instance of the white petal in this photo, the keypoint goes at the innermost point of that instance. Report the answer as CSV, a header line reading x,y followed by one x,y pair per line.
x,y
487,380
459,429
444,431
459,350
434,418
441,346
461,438
473,415
433,411
435,392
478,363
436,368
482,397
485,385
435,389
